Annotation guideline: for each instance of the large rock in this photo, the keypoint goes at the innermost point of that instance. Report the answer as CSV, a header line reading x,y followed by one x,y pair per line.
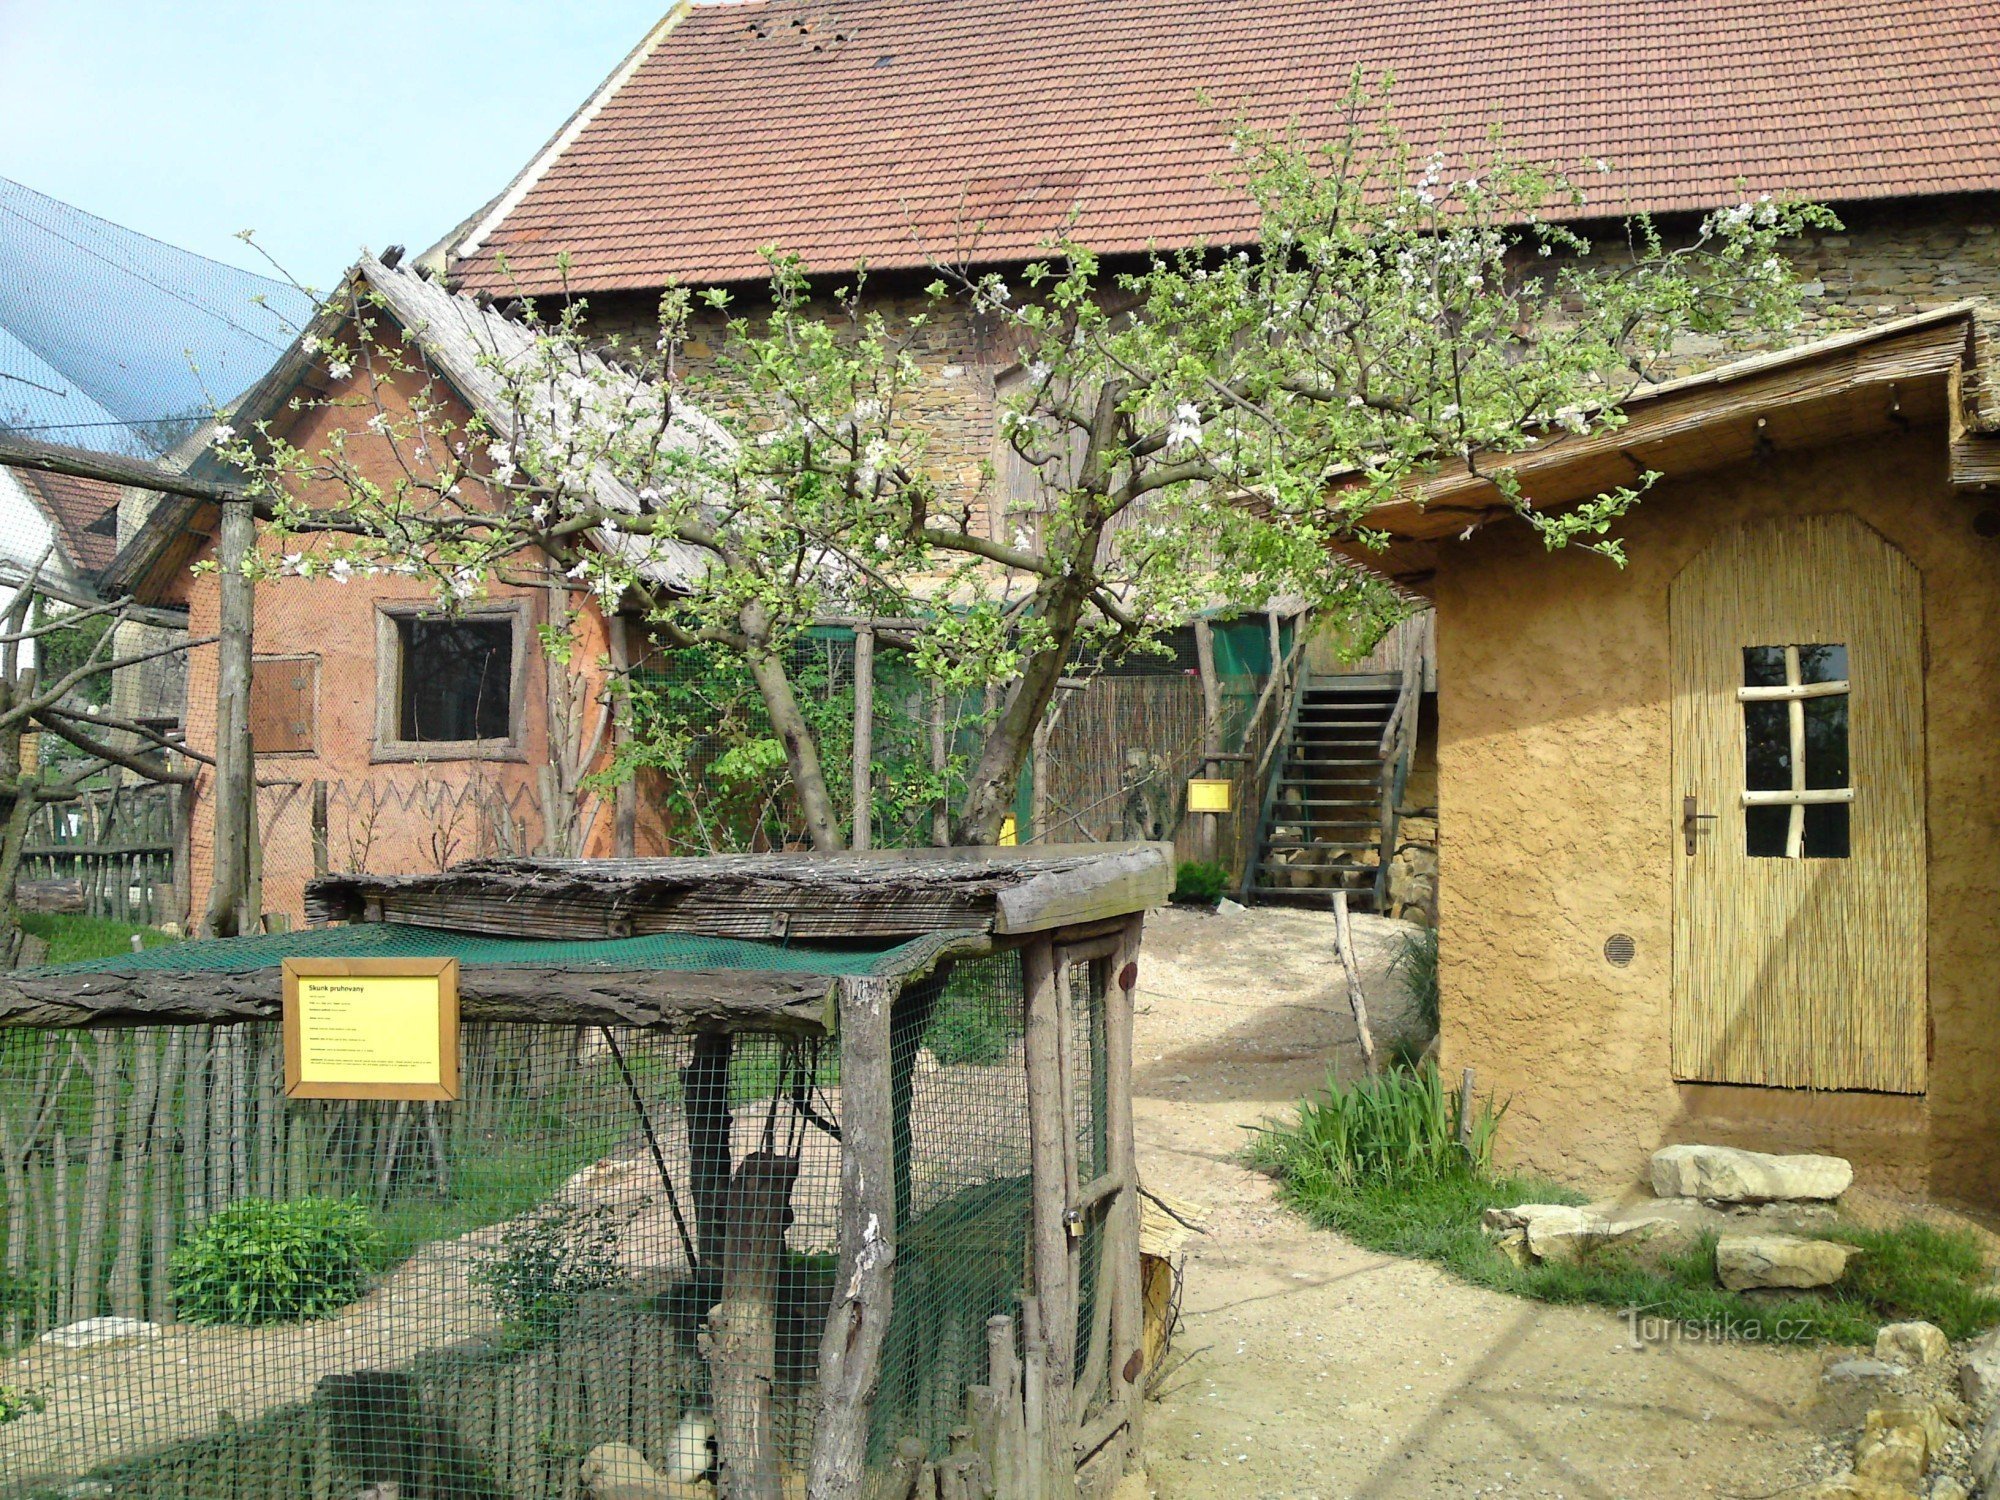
x,y
99,1331
1912,1343
1979,1372
618,1471
1897,1442
1864,1369
1726,1175
1561,1232
1851,1487
1745,1262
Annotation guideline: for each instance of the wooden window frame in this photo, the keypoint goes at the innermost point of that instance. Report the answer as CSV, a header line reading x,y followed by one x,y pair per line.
x,y
389,744
1793,694
275,657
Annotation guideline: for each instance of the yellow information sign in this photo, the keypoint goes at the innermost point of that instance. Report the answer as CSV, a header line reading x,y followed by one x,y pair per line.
x,y
371,1028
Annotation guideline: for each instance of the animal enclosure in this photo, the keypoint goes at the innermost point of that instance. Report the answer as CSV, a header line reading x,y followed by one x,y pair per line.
x,y
825,1208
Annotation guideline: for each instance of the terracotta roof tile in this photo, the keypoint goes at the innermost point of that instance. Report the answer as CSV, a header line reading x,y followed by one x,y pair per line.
x,y
889,129
85,513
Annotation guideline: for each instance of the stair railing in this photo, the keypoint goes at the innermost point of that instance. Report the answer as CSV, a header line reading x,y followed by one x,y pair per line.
x,y
1288,679
1396,751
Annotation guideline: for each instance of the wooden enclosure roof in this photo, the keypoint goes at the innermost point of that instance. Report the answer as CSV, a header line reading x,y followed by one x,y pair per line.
x,y
1920,371
796,897
667,981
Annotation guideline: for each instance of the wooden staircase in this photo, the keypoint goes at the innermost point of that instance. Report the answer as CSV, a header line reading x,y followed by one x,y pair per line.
x,y
1329,803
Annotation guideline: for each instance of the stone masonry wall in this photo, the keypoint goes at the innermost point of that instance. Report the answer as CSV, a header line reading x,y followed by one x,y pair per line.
x,y
1888,261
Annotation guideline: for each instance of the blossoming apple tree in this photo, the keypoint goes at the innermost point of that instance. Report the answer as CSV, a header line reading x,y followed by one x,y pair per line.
x,y
1205,425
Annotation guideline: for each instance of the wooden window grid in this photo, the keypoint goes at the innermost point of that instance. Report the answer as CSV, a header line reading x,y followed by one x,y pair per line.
x,y
1793,693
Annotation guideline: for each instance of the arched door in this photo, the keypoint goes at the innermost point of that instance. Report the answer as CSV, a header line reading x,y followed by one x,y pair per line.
x,y
1798,759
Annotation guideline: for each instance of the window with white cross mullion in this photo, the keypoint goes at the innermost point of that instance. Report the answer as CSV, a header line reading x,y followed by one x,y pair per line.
x,y
1795,758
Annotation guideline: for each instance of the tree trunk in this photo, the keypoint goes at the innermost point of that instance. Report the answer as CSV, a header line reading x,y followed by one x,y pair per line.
x,y
989,790
16,811
127,1297
788,722
229,896
710,1127
94,1218
742,1338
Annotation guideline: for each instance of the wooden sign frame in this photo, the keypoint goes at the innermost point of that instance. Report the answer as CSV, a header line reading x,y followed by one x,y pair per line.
x,y
444,970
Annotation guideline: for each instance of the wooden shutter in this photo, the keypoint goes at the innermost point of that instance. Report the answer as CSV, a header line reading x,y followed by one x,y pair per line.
x,y
284,705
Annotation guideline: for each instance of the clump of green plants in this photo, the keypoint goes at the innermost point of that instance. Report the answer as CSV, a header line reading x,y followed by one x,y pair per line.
x,y
274,1262
1396,1130
1379,1162
971,1027
546,1262
16,1402
1416,961
1200,882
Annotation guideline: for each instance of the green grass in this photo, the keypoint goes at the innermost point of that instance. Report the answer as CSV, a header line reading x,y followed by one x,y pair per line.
x,y
1416,1202
1417,961
74,939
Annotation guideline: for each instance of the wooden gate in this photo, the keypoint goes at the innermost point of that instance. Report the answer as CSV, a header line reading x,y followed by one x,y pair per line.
x,y
1798,755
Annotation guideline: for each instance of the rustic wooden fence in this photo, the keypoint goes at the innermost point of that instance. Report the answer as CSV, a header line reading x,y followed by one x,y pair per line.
x,y
111,853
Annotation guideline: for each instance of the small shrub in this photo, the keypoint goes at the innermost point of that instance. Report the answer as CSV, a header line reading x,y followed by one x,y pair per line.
x,y
15,1403
1200,882
1417,961
545,1262
265,1262
971,1028
1395,1130
1918,1270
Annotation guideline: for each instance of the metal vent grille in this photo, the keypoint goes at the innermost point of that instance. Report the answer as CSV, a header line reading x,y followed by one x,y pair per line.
x,y
1619,949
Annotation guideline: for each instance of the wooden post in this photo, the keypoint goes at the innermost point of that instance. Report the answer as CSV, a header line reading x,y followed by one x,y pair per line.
x,y
1343,939
742,1338
705,1088
1121,1224
229,909
319,828
1050,1136
1211,725
864,737
625,799
940,760
850,1350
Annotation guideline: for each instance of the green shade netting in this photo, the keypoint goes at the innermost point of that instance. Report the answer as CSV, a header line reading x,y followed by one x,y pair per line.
x,y
671,950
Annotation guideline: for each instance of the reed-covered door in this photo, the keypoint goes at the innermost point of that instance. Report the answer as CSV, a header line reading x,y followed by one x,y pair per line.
x,y
1799,903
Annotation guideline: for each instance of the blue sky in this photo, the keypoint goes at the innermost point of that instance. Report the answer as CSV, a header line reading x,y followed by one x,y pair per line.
x,y
321,126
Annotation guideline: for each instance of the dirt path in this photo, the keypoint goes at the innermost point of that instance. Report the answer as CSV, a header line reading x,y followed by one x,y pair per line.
x,y
1325,1370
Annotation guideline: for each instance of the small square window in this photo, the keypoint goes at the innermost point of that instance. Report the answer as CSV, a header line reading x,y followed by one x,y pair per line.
x,y
448,684
1796,792
456,679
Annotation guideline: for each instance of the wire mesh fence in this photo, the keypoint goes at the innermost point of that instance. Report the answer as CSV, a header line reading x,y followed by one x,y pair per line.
x,y
113,341
611,1257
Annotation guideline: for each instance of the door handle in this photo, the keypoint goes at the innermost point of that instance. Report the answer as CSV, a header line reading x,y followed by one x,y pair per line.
x,y
1691,821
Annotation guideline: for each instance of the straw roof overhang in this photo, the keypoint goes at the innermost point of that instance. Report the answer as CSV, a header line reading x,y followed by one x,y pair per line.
x,y
461,338
1919,371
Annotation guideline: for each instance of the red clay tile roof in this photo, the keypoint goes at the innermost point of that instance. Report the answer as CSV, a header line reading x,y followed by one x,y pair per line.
x,y
849,129
85,513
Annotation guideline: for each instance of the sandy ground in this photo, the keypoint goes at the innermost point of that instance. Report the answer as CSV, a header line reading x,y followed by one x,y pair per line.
x,y
1320,1369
